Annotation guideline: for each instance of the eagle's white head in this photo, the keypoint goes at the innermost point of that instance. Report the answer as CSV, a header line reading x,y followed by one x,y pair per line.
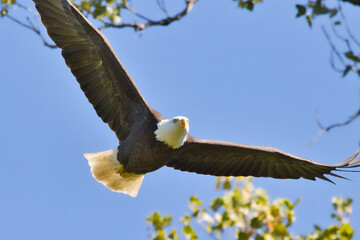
x,y
173,131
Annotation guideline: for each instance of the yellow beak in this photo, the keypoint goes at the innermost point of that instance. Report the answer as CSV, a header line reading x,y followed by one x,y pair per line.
x,y
183,121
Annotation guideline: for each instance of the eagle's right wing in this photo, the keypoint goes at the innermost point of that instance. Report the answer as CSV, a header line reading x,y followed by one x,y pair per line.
x,y
101,76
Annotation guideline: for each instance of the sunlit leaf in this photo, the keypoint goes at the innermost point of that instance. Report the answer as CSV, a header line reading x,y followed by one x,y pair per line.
x,y
244,236
194,200
216,204
309,19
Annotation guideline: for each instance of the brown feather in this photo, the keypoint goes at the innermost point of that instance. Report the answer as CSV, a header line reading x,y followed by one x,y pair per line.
x,y
232,159
91,59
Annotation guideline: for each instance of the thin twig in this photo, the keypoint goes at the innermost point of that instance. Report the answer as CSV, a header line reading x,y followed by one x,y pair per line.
x,y
162,6
340,124
18,22
333,48
30,25
163,22
37,31
344,39
138,14
347,26
26,8
332,63
352,118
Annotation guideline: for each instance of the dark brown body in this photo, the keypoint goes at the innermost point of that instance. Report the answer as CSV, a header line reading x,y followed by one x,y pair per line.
x,y
140,152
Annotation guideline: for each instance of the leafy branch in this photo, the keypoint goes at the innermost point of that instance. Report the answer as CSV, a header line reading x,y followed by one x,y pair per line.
x,y
107,12
342,61
148,22
246,213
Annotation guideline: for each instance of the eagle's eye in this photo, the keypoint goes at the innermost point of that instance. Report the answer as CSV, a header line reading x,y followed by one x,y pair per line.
x,y
175,120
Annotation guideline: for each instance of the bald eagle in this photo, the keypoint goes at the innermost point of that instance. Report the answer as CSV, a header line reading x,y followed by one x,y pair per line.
x,y
148,141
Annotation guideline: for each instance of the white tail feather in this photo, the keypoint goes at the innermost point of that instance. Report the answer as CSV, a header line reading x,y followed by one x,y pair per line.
x,y
105,169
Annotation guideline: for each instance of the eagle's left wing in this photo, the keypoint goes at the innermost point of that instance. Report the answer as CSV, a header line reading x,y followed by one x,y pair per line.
x,y
220,158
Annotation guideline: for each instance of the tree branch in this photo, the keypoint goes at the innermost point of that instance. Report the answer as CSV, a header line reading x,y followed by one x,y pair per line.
x,y
351,119
330,127
31,27
163,22
354,2
347,26
333,51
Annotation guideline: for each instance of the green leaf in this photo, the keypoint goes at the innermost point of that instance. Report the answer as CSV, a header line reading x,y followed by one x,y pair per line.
x,y
194,200
244,236
280,230
333,12
216,203
301,10
350,55
186,219
346,231
167,221
258,221
259,237
173,235
227,184
187,230
8,1
100,12
3,12
317,228
309,20
114,15
85,6
249,4
346,71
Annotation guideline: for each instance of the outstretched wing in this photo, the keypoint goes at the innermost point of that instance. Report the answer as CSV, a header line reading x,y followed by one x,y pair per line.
x,y
229,159
101,76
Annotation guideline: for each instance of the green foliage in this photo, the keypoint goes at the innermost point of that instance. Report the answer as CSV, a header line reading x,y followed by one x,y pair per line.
x,y
313,9
4,6
159,223
349,59
99,9
247,4
247,213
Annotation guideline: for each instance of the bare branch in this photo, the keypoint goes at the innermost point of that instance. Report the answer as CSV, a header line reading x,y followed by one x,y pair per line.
x,y
18,22
344,39
26,8
29,25
328,128
355,2
163,22
347,26
138,14
162,6
333,50
37,31
333,65
351,119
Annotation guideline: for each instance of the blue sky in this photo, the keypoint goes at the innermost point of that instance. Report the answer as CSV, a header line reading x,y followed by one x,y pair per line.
x,y
255,78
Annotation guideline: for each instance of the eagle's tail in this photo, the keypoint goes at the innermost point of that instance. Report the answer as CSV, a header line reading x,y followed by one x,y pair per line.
x,y
106,169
